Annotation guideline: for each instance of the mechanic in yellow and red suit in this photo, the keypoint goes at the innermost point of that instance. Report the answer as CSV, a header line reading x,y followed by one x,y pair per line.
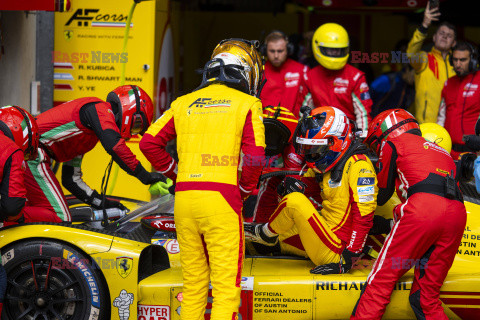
x,y
212,125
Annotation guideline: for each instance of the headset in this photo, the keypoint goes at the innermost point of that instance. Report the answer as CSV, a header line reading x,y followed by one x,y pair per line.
x,y
290,46
473,64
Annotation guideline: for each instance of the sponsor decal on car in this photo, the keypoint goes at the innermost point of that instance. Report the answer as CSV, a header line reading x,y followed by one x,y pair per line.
x,y
82,267
123,302
171,245
148,312
355,285
124,266
7,256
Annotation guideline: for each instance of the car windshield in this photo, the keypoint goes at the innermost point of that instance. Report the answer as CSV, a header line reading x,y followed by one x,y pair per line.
x,y
162,204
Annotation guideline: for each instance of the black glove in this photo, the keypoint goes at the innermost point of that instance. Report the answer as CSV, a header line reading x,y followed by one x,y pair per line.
x,y
171,189
149,177
472,141
95,200
381,225
343,266
289,185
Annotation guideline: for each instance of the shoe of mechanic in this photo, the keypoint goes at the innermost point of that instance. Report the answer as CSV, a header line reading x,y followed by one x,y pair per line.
x,y
255,233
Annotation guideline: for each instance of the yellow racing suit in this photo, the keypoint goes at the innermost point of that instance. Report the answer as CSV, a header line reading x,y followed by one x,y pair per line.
x,y
212,125
343,222
431,72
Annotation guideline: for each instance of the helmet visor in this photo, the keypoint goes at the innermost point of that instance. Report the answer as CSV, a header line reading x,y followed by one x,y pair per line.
x,y
334,52
138,126
313,149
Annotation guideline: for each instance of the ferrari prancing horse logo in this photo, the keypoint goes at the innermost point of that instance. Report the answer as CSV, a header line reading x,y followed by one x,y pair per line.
x,y
124,266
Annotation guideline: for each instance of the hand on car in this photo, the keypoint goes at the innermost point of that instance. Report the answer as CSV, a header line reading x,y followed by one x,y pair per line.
x,y
162,188
289,185
95,201
343,266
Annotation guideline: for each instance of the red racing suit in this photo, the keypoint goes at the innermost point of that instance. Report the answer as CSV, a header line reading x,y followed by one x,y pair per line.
x,y
345,89
460,109
12,187
427,232
212,125
285,86
67,132
14,206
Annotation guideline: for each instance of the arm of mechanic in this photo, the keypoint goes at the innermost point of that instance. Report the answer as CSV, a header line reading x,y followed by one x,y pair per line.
x,y
388,172
12,188
301,93
100,119
154,142
253,148
73,182
361,99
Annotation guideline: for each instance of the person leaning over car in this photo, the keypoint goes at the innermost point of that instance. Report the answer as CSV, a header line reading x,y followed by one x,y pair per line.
x,y
70,130
429,222
336,235
18,142
432,69
213,125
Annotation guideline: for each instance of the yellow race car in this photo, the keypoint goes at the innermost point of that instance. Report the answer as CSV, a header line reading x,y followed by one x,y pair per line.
x,y
130,269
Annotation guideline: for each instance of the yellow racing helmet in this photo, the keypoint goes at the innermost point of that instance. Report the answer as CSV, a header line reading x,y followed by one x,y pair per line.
x,y
437,134
236,62
330,46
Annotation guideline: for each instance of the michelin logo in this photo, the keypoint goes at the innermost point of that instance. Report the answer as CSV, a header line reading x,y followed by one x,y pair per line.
x,y
365,191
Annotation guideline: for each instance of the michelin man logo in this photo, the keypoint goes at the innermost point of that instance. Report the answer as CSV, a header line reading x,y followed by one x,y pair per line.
x,y
123,302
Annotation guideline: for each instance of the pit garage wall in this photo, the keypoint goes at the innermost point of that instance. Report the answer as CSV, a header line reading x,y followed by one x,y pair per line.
x,y
17,64
89,60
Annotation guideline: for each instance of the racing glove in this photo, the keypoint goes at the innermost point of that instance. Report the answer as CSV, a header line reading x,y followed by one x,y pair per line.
x,y
472,141
289,185
345,264
149,177
95,200
381,225
162,188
